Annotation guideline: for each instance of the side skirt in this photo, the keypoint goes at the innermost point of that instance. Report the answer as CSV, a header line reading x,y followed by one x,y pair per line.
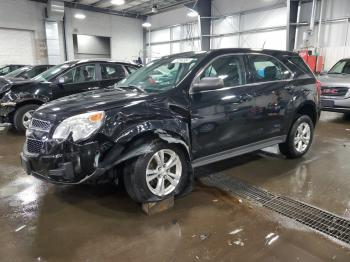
x,y
238,151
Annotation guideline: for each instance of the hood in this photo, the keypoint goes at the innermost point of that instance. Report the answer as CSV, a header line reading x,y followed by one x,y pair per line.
x,y
335,80
6,83
88,101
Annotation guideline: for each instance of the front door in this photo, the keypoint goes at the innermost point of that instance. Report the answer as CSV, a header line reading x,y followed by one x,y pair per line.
x,y
221,119
273,92
79,79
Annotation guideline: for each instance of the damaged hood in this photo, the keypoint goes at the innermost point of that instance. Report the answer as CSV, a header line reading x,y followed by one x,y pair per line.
x,y
9,83
89,101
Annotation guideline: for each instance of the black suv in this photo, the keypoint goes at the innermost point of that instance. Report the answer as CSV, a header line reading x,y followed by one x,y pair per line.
x,y
177,113
19,99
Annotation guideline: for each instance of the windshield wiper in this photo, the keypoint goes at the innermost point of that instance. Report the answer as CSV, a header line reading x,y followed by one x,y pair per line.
x,y
133,87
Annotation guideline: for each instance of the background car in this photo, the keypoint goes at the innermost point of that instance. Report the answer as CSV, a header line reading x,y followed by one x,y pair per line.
x,y
9,68
335,86
28,72
19,99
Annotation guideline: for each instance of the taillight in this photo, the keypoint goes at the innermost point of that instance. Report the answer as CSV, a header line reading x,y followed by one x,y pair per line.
x,y
318,88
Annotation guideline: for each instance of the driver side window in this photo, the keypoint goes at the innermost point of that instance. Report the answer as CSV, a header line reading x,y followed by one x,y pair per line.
x,y
228,68
80,74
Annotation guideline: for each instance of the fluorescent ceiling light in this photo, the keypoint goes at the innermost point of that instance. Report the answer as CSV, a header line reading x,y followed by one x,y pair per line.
x,y
80,16
192,13
146,24
117,2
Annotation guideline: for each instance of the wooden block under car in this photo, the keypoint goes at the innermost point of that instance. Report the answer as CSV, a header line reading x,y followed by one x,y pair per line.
x,y
158,207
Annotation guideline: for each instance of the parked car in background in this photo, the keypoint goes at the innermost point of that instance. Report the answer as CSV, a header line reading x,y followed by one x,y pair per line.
x,y
27,72
19,99
335,85
8,68
206,107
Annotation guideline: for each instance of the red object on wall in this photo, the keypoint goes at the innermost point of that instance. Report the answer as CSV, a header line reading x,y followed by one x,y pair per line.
x,y
315,62
319,64
312,60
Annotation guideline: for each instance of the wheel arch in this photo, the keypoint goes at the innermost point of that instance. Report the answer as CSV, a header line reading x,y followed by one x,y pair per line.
x,y
308,108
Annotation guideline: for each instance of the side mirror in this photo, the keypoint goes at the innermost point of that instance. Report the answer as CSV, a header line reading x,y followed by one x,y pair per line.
x,y
207,83
61,80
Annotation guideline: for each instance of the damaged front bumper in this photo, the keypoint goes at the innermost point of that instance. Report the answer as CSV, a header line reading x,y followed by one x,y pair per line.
x,y
64,162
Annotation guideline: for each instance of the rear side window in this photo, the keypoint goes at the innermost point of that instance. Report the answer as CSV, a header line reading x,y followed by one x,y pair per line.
x,y
266,68
112,71
298,62
80,74
228,68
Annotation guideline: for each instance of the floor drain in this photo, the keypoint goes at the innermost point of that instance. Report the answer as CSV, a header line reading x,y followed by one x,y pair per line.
x,y
313,217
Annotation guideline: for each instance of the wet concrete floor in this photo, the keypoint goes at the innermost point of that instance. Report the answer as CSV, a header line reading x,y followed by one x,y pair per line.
x,y
42,222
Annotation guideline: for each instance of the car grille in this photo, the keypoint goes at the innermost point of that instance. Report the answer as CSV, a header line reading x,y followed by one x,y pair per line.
x,y
34,146
334,91
40,124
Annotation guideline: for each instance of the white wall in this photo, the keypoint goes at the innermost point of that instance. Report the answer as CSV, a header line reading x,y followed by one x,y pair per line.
x,y
126,33
242,28
228,7
172,17
26,15
335,37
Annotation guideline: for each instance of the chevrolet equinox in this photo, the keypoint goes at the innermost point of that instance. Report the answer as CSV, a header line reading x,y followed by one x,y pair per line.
x,y
177,113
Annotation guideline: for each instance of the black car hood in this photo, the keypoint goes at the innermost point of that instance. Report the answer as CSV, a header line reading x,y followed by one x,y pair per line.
x,y
6,83
88,101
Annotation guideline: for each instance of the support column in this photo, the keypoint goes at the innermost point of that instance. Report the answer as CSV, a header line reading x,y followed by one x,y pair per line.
x,y
292,18
204,11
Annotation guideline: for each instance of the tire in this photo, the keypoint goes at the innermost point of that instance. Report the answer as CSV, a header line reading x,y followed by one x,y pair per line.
x,y
20,119
297,132
142,191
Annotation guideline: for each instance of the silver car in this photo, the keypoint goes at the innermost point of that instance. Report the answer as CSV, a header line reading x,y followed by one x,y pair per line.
x,y
335,86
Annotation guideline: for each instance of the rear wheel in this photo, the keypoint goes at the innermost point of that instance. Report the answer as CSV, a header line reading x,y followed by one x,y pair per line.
x,y
23,116
299,138
157,175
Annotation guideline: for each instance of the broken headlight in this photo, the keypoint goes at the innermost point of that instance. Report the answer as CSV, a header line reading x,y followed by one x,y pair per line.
x,y
80,126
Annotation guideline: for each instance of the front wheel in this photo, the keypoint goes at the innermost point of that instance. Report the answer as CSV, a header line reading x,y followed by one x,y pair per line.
x,y
299,138
23,116
158,174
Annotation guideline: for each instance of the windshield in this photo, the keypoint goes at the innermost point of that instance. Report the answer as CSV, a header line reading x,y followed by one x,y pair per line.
x,y
342,67
163,74
18,72
47,75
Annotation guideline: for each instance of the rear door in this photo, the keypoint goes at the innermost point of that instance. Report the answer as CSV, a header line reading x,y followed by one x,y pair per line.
x,y
112,73
272,88
221,119
79,79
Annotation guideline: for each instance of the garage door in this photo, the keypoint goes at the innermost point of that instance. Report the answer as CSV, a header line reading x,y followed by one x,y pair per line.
x,y
16,47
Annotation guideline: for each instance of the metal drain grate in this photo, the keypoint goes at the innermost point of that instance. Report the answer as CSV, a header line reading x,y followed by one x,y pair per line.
x,y
320,220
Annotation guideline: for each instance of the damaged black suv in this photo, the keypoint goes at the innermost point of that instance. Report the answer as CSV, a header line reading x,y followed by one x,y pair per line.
x,y
180,112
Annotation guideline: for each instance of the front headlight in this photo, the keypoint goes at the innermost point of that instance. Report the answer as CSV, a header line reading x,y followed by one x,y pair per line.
x,y
81,126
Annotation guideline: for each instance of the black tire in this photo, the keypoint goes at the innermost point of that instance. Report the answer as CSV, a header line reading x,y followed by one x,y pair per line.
x,y
289,148
135,174
19,114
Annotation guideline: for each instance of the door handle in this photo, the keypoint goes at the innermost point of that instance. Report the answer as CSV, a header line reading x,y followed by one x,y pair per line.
x,y
93,88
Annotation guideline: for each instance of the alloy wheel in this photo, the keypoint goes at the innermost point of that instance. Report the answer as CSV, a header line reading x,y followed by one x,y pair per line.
x,y
163,172
27,117
302,137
